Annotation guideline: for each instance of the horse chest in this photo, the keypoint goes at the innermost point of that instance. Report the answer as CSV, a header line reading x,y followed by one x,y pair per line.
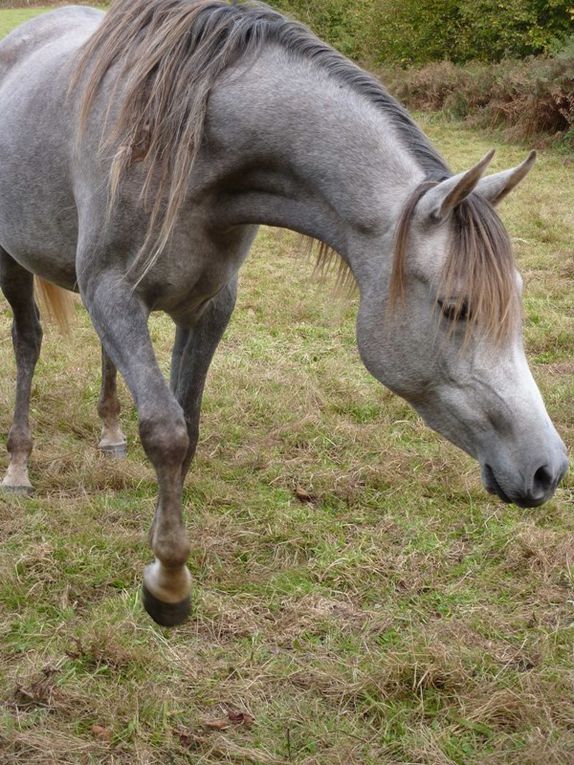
x,y
187,277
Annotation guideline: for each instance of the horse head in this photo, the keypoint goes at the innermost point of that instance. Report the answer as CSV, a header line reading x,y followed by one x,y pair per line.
x,y
447,335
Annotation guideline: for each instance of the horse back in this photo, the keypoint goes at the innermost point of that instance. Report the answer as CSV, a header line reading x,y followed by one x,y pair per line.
x,y
27,39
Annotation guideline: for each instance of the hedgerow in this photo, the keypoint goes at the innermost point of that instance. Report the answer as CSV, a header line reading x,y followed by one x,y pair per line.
x,y
421,31
416,32
527,98
530,96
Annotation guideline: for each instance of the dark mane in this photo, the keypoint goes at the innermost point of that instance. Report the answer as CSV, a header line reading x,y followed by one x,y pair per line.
x,y
170,53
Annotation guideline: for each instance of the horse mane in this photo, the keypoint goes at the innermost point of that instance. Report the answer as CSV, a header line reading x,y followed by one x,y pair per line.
x,y
478,275
167,55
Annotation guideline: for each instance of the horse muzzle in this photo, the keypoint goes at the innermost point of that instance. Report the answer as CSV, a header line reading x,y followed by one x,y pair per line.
x,y
530,488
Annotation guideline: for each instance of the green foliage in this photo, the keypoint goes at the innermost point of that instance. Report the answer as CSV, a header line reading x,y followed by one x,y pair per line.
x,y
347,24
421,31
417,32
10,19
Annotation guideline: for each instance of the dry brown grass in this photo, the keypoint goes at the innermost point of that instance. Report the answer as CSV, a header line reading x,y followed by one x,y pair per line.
x,y
529,100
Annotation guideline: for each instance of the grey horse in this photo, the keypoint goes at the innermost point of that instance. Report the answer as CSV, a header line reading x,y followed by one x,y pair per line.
x,y
140,150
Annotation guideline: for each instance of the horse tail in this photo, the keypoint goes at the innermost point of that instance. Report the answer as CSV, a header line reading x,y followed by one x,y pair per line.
x,y
56,304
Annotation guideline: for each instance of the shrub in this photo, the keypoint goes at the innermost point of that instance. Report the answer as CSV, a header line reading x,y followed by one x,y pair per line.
x,y
420,31
528,98
348,25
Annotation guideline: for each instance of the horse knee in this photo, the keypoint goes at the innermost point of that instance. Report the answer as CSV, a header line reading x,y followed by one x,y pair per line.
x,y
164,439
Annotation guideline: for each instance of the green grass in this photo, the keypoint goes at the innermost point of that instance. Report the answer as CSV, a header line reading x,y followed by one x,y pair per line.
x,y
401,615
11,18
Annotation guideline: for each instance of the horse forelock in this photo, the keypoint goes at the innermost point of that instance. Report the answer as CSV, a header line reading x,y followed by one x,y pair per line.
x,y
478,274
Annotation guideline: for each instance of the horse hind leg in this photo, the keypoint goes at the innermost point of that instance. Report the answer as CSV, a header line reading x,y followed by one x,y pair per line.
x,y
17,284
113,442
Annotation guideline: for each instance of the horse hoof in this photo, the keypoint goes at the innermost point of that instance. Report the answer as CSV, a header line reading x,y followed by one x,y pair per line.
x,y
166,614
114,451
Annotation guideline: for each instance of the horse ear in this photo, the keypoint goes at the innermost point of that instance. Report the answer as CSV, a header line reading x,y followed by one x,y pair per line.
x,y
496,187
439,202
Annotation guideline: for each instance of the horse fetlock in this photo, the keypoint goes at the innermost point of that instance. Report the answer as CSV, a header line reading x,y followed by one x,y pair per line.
x,y
19,443
167,584
109,408
172,550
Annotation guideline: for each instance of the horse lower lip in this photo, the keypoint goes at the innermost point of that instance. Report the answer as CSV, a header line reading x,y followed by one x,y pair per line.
x,y
530,502
493,487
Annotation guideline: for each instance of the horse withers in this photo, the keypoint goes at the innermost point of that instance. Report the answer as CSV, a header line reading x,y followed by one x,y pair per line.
x,y
140,150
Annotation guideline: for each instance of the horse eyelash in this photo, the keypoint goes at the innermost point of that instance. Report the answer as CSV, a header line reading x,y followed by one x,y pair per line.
x,y
454,311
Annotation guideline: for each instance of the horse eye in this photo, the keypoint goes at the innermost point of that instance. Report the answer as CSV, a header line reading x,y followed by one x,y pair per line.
x,y
455,311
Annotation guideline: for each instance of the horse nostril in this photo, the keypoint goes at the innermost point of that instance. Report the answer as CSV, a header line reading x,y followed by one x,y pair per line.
x,y
543,480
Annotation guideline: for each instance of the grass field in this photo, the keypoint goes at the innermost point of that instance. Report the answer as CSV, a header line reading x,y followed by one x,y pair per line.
x,y
11,17
358,598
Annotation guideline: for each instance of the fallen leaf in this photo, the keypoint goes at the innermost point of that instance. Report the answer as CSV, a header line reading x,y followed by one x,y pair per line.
x,y
303,495
40,693
101,732
216,724
241,718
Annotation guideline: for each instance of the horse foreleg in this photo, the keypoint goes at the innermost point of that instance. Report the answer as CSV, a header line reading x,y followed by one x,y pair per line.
x,y
121,322
191,358
113,441
18,287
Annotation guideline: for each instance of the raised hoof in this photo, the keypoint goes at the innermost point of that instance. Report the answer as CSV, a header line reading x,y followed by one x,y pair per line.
x,y
114,451
16,491
166,614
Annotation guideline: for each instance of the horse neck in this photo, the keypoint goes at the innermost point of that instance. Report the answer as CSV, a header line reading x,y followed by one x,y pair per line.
x,y
295,148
